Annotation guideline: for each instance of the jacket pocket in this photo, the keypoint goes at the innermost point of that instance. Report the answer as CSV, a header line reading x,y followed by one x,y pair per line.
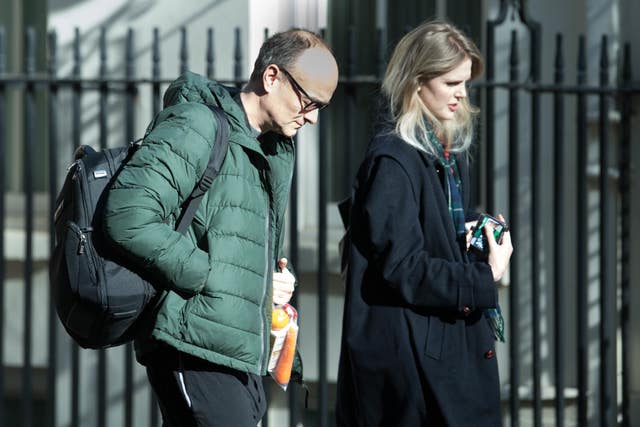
x,y
435,337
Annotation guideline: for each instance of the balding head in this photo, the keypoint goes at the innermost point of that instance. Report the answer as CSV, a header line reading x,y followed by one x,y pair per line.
x,y
294,76
283,49
316,70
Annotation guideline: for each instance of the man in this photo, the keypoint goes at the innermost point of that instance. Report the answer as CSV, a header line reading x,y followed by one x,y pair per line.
x,y
207,344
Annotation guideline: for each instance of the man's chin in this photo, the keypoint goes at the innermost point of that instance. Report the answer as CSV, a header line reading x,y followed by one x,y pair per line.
x,y
291,132
288,131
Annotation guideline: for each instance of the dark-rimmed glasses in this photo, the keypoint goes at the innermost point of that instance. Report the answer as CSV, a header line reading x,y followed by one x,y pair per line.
x,y
312,104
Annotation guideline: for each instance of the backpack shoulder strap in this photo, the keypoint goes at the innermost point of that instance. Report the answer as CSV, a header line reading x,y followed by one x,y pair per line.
x,y
216,159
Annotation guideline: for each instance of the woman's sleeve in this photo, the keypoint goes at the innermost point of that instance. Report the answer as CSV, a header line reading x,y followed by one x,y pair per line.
x,y
393,237
150,187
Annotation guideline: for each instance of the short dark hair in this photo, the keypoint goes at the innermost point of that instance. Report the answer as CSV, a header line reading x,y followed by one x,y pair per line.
x,y
282,49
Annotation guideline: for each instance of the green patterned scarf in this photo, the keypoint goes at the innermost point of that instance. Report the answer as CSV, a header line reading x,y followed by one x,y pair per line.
x,y
456,211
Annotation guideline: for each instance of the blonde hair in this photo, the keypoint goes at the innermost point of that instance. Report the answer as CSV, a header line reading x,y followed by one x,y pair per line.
x,y
430,50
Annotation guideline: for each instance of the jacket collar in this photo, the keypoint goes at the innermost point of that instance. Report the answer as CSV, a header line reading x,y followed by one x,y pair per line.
x,y
192,87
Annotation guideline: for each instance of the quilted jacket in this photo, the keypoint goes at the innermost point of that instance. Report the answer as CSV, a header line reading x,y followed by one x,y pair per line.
x,y
216,279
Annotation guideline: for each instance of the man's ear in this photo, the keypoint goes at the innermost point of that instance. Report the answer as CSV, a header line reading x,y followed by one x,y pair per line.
x,y
270,77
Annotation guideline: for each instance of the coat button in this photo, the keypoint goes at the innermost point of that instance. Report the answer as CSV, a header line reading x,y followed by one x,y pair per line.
x,y
489,354
466,310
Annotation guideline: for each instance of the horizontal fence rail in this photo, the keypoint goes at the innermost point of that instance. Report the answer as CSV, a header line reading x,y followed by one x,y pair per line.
x,y
523,136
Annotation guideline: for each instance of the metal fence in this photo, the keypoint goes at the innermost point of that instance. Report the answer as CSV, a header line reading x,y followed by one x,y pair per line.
x,y
613,218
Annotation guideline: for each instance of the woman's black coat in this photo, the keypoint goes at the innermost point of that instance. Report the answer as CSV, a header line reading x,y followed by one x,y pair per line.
x,y
416,348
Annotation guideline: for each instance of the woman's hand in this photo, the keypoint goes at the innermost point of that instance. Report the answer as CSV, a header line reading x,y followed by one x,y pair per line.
x,y
283,283
467,231
499,254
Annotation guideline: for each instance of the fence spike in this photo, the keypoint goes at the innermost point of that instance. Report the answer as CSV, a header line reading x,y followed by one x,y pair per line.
x,y
604,62
184,53
76,53
211,55
237,58
559,61
30,57
514,58
103,52
155,71
102,120
536,49
155,54
129,55
3,53
53,54
582,60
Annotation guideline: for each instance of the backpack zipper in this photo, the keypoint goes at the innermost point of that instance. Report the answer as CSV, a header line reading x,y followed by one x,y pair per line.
x,y
82,249
82,243
84,189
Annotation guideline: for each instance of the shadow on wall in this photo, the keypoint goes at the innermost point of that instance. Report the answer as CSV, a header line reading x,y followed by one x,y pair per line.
x,y
118,11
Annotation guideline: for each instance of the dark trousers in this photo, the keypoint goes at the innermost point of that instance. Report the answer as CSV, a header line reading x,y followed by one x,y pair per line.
x,y
194,392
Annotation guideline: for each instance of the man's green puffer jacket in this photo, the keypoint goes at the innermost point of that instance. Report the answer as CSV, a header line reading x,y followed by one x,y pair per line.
x,y
218,275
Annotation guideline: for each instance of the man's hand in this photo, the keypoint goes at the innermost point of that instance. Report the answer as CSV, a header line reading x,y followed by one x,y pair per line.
x,y
499,254
283,283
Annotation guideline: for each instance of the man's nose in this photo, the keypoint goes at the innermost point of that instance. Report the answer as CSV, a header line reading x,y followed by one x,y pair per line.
x,y
311,116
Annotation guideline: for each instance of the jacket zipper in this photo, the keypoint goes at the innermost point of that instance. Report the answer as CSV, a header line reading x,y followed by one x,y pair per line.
x,y
267,270
271,243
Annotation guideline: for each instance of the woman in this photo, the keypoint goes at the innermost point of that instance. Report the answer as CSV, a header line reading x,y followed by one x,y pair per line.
x,y
419,332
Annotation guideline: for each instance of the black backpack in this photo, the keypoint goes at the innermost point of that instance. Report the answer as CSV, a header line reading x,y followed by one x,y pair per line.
x,y
99,300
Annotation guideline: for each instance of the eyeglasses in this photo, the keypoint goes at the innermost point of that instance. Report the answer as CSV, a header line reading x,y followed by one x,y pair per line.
x,y
312,104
